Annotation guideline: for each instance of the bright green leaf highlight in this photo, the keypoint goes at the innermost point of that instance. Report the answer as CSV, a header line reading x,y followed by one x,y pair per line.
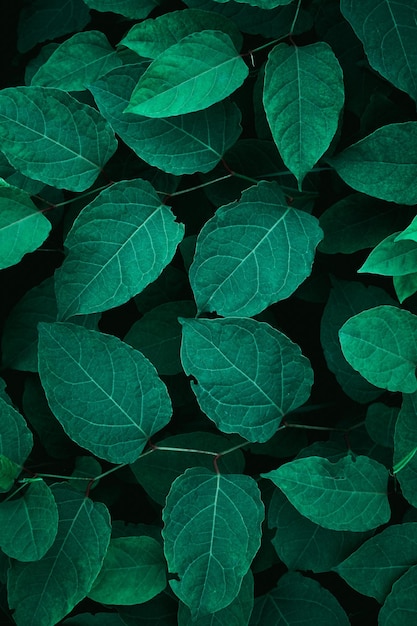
x,y
303,98
392,257
214,71
106,395
350,494
248,374
9,471
107,264
399,608
252,253
381,345
212,532
48,135
133,571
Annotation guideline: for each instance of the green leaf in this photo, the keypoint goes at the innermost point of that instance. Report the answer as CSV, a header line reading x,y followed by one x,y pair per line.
x,y
380,344
157,471
106,395
381,560
99,619
50,136
29,524
23,228
262,4
390,48
77,62
214,71
298,600
380,423
405,286
105,265
85,467
303,118
409,233
133,571
128,8
399,608
16,440
46,590
212,532
41,20
248,374
349,494
405,448
383,164
392,257
182,144
9,471
152,37
172,284
253,253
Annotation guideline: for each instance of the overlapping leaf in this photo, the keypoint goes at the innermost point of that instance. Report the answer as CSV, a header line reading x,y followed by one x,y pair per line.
x,y
399,608
393,256
106,395
405,448
128,8
16,439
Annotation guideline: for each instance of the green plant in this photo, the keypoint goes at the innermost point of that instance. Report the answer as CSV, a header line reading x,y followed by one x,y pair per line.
x,y
209,377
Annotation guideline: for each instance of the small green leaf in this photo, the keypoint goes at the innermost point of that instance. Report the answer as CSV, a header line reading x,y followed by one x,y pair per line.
x,y
214,71
29,523
46,590
350,494
9,471
49,136
106,395
105,265
381,345
399,608
383,164
248,374
131,9
405,286
133,571
303,118
212,532
409,233
392,257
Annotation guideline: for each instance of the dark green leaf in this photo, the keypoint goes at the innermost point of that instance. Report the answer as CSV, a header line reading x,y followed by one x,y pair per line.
x,y
380,423
399,608
16,440
131,9
9,471
405,447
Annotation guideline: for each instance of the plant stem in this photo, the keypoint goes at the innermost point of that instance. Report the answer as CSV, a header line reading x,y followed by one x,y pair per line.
x,y
295,17
179,193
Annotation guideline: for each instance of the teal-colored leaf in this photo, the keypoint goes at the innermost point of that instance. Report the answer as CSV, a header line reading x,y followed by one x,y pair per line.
x,y
106,395
29,523
381,345
252,253
182,144
381,560
383,164
303,98
171,285
50,136
77,62
85,468
212,532
349,494
151,37
347,298
399,608
107,265
45,591
157,471
303,545
298,600
261,4
248,374
405,448
41,20
380,423
131,9
214,71
392,257
405,286
409,233
237,613
133,571
16,440
23,228
390,48
9,471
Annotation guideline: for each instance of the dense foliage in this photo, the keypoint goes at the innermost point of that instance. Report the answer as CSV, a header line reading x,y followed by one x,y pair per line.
x,y
208,254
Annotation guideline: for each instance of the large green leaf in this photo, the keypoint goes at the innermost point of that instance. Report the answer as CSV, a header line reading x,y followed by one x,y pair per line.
x,y
252,253
131,9
303,118
49,136
212,532
383,164
105,265
405,448
23,228
298,600
381,560
106,395
133,571
214,70
399,608
151,37
248,374
390,48
77,62
349,494
46,590
381,344
182,144
29,523
392,257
